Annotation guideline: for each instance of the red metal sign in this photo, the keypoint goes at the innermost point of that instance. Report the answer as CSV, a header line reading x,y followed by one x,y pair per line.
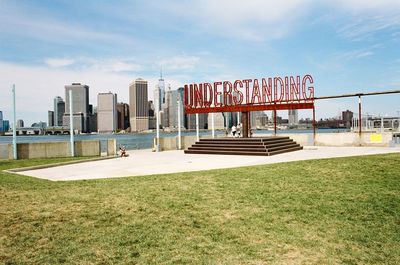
x,y
278,93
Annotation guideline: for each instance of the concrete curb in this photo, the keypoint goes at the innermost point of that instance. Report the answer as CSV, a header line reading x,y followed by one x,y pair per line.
x,y
15,170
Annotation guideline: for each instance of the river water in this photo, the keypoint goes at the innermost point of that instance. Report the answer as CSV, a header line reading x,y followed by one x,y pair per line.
x,y
136,140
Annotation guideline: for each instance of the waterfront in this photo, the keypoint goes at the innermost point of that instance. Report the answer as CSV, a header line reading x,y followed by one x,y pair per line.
x,y
134,141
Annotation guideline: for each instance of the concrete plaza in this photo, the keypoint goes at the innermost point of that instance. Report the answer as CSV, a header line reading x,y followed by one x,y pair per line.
x,y
146,162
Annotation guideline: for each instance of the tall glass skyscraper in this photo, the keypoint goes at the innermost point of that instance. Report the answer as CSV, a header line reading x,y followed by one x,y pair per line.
x,y
138,105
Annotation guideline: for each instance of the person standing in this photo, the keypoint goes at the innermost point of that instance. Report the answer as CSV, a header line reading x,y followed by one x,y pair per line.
x,y
234,131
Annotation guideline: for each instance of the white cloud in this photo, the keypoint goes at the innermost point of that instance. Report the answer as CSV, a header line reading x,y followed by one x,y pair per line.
x,y
109,66
255,20
370,6
58,62
180,62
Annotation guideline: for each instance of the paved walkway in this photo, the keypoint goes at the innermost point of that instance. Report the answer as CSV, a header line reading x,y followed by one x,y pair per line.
x,y
146,162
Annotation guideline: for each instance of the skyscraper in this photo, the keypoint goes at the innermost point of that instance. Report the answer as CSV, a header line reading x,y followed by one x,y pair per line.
x,y
20,123
80,107
1,122
138,105
107,112
293,117
50,115
219,121
123,116
59,110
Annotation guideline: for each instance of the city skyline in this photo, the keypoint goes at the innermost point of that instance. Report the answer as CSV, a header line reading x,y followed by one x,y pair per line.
x,y
347,46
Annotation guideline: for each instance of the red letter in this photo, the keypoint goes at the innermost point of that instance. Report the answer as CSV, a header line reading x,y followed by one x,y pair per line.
x,y
310,88
237,92
276,80
256,92
208,91
247,82
227,93
287,88
198,95
295,88
217,94
267,90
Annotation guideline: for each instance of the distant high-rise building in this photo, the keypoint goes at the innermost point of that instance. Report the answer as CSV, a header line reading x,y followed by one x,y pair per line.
x,y
6,125
152,117
107,112
20,123
184,117
50,115
39,124
203,121
123,116
59,110
1,122
347,117
293,116
138,105
80,107
219,121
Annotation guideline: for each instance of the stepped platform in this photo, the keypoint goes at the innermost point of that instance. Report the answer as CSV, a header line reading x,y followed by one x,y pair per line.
x,y
265,146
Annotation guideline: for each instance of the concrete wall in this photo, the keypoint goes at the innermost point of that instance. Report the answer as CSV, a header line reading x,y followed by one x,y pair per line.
x,y
305,139
172,143
5,151
50,149
111,147
87,148
343,139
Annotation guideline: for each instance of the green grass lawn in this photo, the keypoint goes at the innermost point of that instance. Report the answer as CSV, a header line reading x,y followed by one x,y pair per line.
x,y
331,211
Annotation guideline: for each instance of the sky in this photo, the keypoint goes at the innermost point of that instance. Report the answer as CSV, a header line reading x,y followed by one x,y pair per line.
x,y
346,45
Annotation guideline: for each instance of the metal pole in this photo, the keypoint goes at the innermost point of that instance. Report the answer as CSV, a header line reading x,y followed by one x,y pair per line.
x,y
212,126
158,124
398,121
15,125
71,124
359,116
197,127
314,125
382,125
275,121
238,118
179,125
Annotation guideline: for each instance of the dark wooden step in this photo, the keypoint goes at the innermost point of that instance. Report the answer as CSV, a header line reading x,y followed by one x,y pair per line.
x,y
214,152
285,150
228,149
282,147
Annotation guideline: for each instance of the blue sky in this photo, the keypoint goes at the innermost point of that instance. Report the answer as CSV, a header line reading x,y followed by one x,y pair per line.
x,y
346,45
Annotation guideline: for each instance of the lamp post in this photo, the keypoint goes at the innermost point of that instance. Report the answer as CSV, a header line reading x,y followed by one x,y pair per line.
x,y
71,124
212,126
158,125
179,125
197,127
15,124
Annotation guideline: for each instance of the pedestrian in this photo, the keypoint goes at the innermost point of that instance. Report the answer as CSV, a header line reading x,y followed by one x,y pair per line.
x,y
234,131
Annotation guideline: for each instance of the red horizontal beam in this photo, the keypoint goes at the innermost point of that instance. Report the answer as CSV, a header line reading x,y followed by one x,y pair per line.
x,y
243,108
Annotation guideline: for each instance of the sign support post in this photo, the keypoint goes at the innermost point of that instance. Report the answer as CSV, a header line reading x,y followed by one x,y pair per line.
x,y
15,125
